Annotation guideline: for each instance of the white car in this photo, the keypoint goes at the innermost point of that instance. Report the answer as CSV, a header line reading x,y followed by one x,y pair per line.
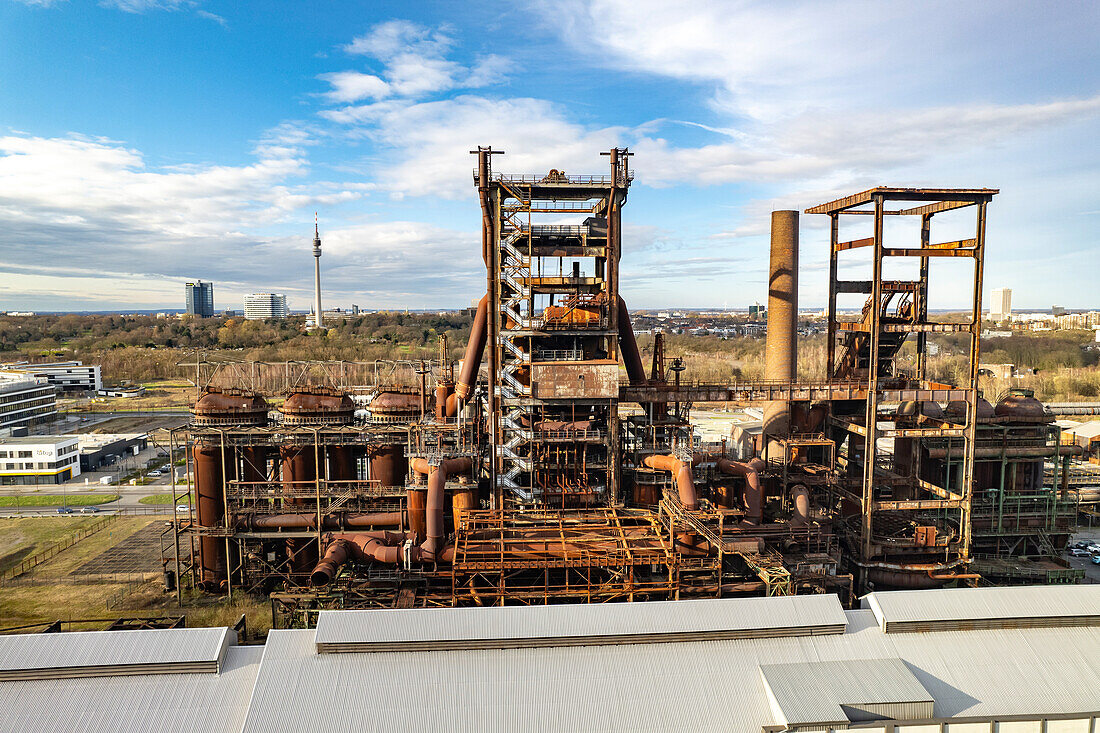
x,y
184,508
1079,552
156,473
1094,547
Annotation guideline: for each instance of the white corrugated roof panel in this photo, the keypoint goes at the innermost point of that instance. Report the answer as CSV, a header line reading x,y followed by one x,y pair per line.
x,y
962,608
707,685
160,703
91,653
836,692
560,625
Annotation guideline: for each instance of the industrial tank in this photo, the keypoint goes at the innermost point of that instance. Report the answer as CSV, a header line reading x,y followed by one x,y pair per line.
x,y
313,407
212,461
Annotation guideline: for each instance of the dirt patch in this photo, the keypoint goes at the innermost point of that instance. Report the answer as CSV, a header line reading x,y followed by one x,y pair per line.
x,y
141,552
138,423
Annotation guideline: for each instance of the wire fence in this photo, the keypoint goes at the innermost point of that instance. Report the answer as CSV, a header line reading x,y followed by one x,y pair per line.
x,y
43,555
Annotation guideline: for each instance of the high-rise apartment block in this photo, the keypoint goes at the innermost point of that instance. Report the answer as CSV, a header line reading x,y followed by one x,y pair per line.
x,y
1000,304
200,299
260,306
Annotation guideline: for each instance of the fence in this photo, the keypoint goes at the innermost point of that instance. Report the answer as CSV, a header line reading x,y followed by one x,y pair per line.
x,y
43,555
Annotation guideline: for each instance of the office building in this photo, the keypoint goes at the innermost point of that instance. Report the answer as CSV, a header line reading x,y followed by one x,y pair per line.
x,y
26,400
1000,304
260,306
200,299
39,459
65,375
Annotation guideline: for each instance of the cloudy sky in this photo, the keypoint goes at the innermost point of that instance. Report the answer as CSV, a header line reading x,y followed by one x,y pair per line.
x,y
147,142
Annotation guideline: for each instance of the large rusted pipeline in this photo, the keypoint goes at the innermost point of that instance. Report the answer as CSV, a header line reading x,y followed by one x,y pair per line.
x,y
209,510
681,471
383,547
437,481
754,492
628,345
781,349
471,360
309,521
1018,452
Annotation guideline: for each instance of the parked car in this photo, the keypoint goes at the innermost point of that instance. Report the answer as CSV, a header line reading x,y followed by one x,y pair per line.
x,y
156,473
64,510
1079,552
1094,547
1096,559
89,510
183,508
1081,543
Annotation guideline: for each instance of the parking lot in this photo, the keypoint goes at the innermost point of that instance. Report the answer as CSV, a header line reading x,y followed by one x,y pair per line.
x,y
1092,571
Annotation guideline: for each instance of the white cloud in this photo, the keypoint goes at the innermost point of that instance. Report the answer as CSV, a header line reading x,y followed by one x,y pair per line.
x,y
415,64
352,86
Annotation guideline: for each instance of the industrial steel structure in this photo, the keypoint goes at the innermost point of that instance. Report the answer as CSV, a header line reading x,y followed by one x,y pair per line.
x,y
552,480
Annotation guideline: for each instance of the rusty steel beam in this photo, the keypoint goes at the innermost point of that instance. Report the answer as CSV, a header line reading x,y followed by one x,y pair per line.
x,y
855,244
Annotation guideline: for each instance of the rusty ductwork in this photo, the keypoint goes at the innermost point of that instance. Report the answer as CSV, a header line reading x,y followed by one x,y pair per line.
x,y
471,360
681,471
754,492
437,481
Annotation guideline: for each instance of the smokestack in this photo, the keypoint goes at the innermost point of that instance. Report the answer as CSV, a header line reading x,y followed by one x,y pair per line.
x,y
318,318
781,354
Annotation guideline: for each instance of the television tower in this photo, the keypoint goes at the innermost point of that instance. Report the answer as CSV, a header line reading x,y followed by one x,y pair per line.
x,y
318,320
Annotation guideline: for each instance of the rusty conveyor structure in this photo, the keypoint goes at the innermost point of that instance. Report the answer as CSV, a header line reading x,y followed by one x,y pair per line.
x,y
419,484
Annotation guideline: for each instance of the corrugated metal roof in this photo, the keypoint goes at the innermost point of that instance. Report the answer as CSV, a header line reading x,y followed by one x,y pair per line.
x,y
183,703
803,693
91,653
710,685
560,625
963,608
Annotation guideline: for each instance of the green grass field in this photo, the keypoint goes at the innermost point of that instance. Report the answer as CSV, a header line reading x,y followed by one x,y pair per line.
x,y
57,499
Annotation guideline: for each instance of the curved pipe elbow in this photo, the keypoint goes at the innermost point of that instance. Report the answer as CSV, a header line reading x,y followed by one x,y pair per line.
x,y
754,492
800,496
437,482
681,472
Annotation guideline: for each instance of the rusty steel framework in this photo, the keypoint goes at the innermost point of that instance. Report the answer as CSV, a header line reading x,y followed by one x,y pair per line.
x,y
868,350
533,487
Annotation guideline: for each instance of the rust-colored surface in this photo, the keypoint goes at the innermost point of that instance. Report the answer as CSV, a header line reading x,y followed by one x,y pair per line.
x,y
575,380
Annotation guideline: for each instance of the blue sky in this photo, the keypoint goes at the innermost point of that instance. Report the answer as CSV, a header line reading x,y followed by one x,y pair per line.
x,y
144,143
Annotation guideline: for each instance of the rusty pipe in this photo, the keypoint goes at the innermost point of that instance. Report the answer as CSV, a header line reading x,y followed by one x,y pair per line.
x,y
628,345
681,471
754,492
309,521
437,481
471,361
381,547
1019,452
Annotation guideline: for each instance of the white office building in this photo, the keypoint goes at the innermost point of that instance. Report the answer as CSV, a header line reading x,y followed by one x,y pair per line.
x,y
39,459
25,400
1000,304
65,375
260,306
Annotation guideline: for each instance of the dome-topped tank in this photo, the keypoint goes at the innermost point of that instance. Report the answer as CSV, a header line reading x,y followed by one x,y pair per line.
x,y
957,409
1020,404
229,407
932,410
317,406
394,405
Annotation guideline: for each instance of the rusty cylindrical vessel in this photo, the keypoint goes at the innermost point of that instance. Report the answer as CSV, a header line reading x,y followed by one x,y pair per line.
x,y
299,464
212,461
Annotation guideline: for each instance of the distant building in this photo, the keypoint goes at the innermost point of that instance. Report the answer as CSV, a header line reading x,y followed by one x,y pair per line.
x,y
1057,310
26,400
199,297
65,375
39,459
99,450
260,306
1000,305
757,311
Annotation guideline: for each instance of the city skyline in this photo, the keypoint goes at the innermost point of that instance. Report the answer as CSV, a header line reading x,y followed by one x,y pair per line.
x,y
228,126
